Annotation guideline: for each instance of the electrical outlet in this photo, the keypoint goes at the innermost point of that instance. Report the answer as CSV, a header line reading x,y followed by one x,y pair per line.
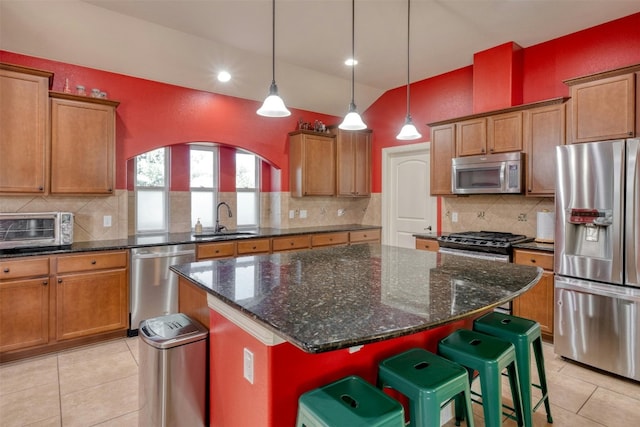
x,y
341,212
248,365
303,213
292,214
454,217
106,220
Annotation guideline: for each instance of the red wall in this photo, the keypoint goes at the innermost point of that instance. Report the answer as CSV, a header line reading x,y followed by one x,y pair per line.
x,y
153,114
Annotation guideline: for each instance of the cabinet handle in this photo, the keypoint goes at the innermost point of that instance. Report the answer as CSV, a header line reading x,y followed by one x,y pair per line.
x,y
482,150
291,243
631,133
45,283
491,150
59,280
110,190
254,248
533,261
217,251
93,262
41,188
6,270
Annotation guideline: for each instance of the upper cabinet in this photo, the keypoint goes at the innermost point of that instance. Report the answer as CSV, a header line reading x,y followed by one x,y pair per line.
x,y
353,163
82,145
498,133
24,114
544,130
471,137
312,164
443,149
604,106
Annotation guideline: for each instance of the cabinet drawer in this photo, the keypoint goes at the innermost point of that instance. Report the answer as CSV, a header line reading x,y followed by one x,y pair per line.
x,y
256,246
215,250
26,267
92,261
329,239
289,243
534,258
427,245
364,236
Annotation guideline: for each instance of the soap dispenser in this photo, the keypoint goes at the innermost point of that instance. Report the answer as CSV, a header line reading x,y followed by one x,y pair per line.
x,y
198,226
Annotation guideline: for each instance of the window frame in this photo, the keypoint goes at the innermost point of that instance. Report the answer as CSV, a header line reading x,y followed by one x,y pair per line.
x,y
216,182
255,190
164,189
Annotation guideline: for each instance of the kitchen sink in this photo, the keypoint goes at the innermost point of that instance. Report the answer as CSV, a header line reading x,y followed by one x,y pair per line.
x,y
224,234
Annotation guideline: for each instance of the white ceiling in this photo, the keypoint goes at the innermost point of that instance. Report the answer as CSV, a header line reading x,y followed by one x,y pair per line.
x,y
179,41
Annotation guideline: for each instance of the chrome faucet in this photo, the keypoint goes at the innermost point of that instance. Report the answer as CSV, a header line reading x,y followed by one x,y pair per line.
x,y
219,227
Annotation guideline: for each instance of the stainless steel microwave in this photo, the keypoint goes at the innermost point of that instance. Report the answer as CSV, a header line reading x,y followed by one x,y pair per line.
x,y
22,230
487,174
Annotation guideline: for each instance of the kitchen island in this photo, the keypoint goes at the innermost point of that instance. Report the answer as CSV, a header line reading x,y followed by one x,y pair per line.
x,y
286,323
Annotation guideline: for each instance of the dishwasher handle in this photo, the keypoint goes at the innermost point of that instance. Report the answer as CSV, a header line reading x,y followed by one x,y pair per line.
x,y
147,255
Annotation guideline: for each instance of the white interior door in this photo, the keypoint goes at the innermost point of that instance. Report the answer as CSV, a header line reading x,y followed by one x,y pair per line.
x,y
407,207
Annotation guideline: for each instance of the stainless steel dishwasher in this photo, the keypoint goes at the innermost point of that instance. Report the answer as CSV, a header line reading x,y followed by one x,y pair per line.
x,y
154,288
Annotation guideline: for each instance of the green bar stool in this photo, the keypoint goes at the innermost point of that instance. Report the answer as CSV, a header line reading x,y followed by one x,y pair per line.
x,y
349,402
429,381
489,356
523,334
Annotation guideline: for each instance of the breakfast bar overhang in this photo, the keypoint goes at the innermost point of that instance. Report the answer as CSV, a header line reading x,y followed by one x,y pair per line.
x,y
286,323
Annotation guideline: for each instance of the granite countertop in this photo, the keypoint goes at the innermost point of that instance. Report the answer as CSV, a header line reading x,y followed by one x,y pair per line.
x,y
339,297
536,246
178,238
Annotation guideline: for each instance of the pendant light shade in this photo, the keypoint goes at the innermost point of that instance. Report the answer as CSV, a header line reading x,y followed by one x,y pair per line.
x,y
273,105
352,121
408,131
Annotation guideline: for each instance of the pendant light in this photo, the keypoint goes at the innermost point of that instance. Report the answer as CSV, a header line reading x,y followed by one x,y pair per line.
x,y
273,105
408,131
352,120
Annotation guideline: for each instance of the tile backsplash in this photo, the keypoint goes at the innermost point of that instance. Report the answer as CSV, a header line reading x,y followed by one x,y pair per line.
x,y
495,212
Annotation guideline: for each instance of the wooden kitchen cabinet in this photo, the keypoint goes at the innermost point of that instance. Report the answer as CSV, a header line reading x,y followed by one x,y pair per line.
x,y
82,144
24,133
290,243
443,149
312,167
504,132
254,246
603,108
215,250
24,303
425,244
92,294
364,236
544,130
537,304
471,137
353,163
329,239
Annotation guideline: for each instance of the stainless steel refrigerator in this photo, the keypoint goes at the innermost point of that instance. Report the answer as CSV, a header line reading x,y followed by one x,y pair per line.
x,y
597,249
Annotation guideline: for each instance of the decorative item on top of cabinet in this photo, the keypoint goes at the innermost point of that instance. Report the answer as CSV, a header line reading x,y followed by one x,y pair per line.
x,y
82,144
312,164
353,162
537,303
544,130
605,105
24,137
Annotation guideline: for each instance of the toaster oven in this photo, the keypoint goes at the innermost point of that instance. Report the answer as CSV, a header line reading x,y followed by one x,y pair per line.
x,y
25,230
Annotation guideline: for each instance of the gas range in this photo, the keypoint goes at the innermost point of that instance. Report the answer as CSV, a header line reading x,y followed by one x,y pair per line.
x,y
491,242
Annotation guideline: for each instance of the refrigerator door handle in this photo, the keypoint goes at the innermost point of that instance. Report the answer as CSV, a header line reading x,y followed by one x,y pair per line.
x,y
632,214
611,291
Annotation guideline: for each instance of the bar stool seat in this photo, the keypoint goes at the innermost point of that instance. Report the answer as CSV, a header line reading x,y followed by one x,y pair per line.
x,y
489,356
523,334
349,402
429,382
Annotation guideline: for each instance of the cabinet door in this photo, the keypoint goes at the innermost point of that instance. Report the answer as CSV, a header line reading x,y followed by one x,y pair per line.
x,y
319,166
82,147
91,303
537,304
603,109
544,130
431,245
504,132
443,149
364,236
24,313
471,137
24,119
353,163
215,250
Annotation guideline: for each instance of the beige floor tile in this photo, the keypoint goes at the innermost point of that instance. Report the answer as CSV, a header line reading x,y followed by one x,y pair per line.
x,y
133,344
101,403
95,370
32,405
26,374
92,351
611,408
618,384
128,420
49,422
568,392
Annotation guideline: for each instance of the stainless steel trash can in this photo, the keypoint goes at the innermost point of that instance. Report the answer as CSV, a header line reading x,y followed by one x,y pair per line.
x,y
173,369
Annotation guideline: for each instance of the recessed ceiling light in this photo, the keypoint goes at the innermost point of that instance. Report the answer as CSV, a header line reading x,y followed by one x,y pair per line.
x,y
224,76
351,62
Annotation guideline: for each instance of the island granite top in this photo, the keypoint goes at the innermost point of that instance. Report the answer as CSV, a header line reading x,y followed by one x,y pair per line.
x,y
339,297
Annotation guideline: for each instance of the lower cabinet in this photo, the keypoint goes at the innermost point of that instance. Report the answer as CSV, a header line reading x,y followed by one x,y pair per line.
x,y
427,244
537,303
50,303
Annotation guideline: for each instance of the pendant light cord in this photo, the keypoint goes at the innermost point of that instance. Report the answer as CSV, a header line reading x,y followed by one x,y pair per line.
x,y
273,42
353,51
408,60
